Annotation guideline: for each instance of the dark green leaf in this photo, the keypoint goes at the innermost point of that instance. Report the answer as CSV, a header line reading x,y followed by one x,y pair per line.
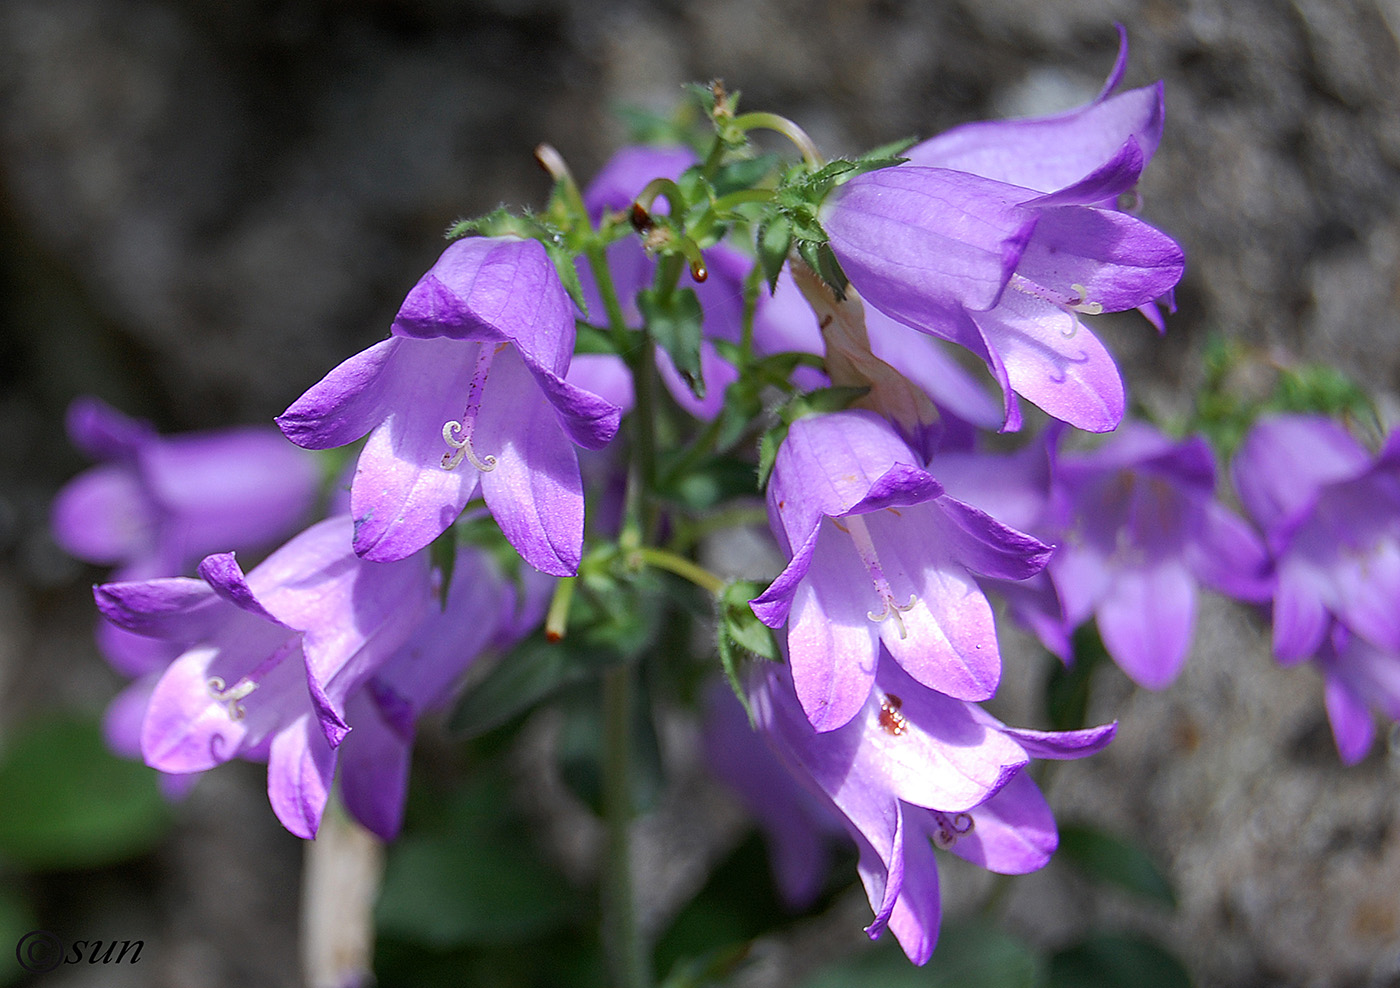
x,y
744,173
442,891
774,242
717,479
674,321
70,803
580,751
1112,859
529,673
1115,960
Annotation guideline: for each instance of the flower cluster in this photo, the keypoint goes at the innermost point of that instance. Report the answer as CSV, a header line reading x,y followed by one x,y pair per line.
x,y
839,385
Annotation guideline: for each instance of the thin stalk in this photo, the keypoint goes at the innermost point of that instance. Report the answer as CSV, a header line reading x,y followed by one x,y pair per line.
x,y
682,567
622,939
784,126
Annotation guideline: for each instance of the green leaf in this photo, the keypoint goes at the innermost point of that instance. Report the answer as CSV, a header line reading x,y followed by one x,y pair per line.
x,y
715,480
744,173
580,751
674,321
774,241
528,674
482,883
1115,960
969,955
1114,860
70,803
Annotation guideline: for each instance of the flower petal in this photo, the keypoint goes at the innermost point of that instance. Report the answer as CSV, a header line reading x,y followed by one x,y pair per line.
x,y
1013,833
300,767
1146,619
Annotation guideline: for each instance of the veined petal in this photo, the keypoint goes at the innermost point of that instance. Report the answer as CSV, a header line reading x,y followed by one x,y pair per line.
x,y
1062,745
1118,261
947,639
535,492
1228,556
1049,153
832,642
300,767
348,402
920,243
1146,619
176,608
493,290
918,910
402,497
374,766
1013,833
1053,360
589,420
1117,175
984,545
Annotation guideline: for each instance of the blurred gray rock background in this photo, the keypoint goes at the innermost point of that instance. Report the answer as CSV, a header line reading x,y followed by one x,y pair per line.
x,y
206,204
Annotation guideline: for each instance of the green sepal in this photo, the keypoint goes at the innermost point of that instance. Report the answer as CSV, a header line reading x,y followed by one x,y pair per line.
x,y
675,321
774,241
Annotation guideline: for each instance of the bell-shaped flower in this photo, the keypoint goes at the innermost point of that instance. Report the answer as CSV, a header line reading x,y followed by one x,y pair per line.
x,y
1140,528
1330,513
880,555
155,505
270,658
797,825
1003,258
483,611
915,770
469,389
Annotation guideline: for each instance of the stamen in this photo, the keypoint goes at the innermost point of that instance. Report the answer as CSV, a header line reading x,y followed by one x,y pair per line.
x,y
1070,305
865,546
231,695
951,828
463,446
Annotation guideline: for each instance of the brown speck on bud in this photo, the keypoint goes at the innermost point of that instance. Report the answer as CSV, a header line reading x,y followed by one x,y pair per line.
x,y
698,272
641,219
553,636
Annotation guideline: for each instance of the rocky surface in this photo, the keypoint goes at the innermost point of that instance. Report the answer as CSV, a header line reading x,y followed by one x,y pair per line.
x,y
206,204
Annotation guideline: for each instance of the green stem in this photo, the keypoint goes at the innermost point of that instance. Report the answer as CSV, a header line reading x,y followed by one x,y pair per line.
x,y
682,567
784,126
622,940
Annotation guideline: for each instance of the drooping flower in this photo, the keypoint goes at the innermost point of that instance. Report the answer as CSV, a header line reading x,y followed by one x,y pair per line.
x,y
997,237
473,371
880,555
797,825
1330,514
155,505
482,611
915,770
270,658
1140,528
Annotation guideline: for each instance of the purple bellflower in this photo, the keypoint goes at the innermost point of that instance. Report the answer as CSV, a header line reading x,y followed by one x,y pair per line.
x,y
482,612
998,236
270,658
469,389
797,825
156,505
1140,529
915,770
1330,514
880,555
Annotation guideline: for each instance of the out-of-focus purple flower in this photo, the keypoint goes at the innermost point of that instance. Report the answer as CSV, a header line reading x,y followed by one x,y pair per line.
x,y
1140,529
154,506
879,555
482,612
474,371
1330,514
915,769
270,658
796,824
998,236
